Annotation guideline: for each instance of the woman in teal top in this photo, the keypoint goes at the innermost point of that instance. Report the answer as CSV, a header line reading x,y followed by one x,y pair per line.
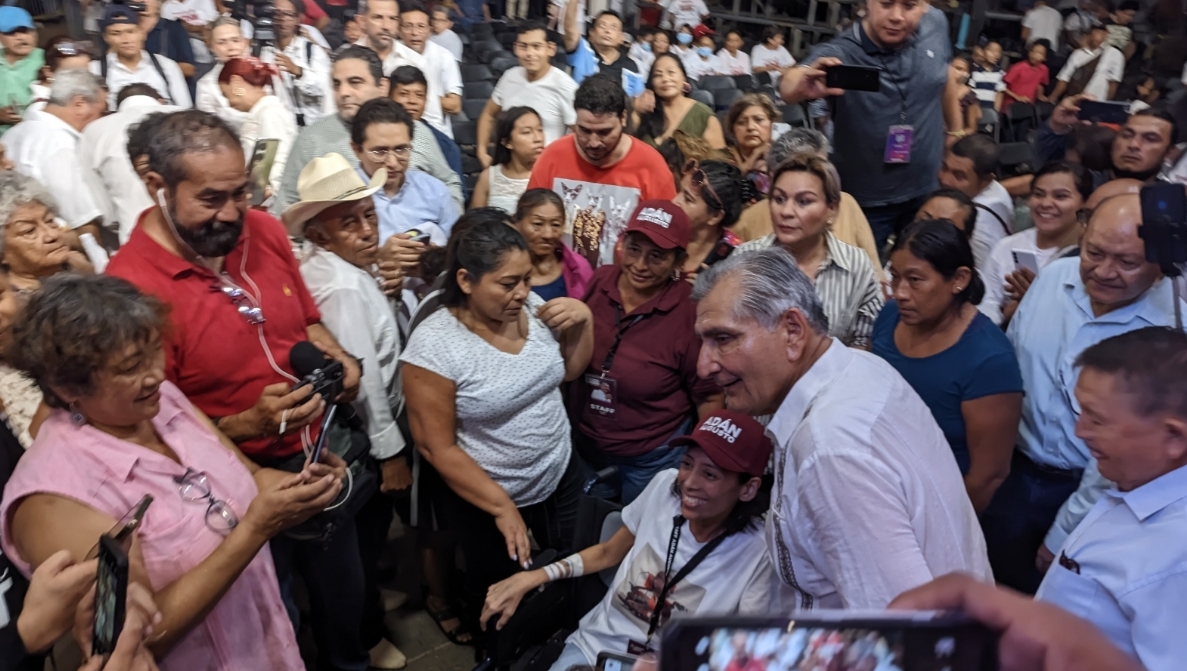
x,y
673,110
957,360
20,64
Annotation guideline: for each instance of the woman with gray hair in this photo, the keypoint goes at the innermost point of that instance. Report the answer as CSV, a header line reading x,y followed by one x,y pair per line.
x,y
849,226
33,245
804,200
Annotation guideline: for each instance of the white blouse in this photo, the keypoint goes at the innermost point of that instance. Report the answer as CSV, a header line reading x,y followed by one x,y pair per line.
x,y
269,119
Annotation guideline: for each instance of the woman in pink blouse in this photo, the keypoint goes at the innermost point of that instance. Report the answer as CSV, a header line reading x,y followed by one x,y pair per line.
x,y
119,431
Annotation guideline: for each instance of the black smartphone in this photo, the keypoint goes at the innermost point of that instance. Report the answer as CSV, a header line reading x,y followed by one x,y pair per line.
x,y
123,530
111,590
1164,223
903,640
853,77
418,235
609,661
720,252
1103,111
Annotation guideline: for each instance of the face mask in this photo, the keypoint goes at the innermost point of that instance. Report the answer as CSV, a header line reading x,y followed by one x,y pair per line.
x,y
704,52
684,38
647,47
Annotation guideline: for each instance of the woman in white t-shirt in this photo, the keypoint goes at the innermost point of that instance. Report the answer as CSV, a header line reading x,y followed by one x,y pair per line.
x,y
245,83
731,60
771,56
719,563
1057,194
226,41
482,382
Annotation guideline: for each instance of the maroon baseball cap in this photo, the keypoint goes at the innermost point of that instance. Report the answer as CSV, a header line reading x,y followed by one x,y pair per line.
x,y
662,222
733,440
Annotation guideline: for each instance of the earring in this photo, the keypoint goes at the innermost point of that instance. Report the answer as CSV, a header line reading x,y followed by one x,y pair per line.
x,y
959,289
76,415
238,92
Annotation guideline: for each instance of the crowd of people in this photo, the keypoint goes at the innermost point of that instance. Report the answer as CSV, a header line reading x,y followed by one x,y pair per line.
x,y
293,286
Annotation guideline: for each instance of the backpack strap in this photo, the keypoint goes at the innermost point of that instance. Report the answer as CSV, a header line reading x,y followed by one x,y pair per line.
x,y
1001,221
161,71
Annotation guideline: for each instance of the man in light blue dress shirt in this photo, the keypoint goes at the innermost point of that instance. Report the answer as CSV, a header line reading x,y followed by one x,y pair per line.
x,y
1124,568
1073,304
381,137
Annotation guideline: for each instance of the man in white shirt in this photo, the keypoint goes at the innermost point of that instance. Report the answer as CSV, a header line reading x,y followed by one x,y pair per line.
x,y
45,146
1042,23
731,60
304,65
1124,568
443,32
382,25
1108,68
103,152
684,12
868,500
969,167
771,56
533,83
128,63
440,67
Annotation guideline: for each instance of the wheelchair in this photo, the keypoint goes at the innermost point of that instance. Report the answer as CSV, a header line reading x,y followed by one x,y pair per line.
x,y
533,638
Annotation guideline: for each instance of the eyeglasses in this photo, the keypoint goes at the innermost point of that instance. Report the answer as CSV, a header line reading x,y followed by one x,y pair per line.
x,y
252,313
195,488
701,181
399,152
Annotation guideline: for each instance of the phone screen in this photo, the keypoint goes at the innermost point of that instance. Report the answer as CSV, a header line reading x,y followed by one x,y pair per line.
x,y
869,645
260,167
111,589
853,78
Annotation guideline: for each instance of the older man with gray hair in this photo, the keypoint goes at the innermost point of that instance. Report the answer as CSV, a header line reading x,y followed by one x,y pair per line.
x,y
868,500
850,225
44,146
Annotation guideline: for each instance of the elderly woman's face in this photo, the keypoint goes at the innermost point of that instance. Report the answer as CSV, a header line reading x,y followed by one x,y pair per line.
x,y
127,390
33,241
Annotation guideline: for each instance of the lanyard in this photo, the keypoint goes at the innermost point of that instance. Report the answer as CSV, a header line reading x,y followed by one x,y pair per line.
x,y
906,76
609,361
671,580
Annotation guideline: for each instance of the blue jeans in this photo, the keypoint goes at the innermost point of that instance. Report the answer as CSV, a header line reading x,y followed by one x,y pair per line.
x,y
634,473
1018,518
892,218
571,656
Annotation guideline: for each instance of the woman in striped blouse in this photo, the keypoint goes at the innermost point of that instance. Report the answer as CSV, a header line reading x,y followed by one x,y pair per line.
x,y
805,194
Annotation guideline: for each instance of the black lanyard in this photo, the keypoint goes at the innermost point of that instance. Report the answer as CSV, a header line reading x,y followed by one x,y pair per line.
x,y
671,580
609,361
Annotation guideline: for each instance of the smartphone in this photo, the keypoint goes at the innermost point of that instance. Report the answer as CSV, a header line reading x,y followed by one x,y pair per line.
x,y
608,661
1103,111
1025,258
260,167
124,529
111,590
853,77
720,252
902,640
417,235
1164,223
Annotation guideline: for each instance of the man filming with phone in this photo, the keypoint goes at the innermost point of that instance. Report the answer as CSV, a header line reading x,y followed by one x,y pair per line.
x,y
1141,146
239,305
894,135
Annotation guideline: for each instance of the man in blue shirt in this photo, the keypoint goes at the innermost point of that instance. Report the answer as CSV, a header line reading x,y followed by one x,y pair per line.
x,y
1073,304
381,137
602,51
168,38
1124,568
894,137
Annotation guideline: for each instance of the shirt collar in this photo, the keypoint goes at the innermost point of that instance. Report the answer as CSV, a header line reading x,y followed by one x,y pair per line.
x,y
1153,307
833,247
114,62
1155,495
666,301
165,261
54,122
798,402
867,44
381,193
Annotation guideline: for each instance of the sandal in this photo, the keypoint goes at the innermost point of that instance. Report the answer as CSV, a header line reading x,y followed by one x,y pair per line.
x,y
454,635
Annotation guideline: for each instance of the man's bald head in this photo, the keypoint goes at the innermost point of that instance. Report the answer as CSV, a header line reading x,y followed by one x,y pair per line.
x,y
1113,262
1110,189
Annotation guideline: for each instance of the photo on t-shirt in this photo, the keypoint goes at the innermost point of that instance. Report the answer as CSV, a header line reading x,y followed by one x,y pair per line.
x,y
595,217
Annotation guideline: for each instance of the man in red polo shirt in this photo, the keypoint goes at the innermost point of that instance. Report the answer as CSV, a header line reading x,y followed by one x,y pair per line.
x,y
601,172
238,306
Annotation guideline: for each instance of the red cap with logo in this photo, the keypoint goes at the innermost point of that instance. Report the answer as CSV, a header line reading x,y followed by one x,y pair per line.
x,y
662,222
702,30
734,441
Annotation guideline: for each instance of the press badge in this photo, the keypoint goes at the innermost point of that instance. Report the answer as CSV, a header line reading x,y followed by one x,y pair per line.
x,y
602,393
898,144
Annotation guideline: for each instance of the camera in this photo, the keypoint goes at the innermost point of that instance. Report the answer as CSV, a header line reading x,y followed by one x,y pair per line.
x,y
326,381
262,15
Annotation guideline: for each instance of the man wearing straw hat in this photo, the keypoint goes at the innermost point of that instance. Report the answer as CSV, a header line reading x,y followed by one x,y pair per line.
x,y
337,216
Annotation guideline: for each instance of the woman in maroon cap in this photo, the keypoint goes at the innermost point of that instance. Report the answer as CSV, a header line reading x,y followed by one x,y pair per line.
x,y
691,543
641,389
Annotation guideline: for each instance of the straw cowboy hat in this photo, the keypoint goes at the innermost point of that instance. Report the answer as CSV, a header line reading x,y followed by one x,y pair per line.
x,y
325,182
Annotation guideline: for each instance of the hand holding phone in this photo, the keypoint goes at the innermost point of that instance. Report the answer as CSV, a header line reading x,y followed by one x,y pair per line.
x,y
1026,258
1103,111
